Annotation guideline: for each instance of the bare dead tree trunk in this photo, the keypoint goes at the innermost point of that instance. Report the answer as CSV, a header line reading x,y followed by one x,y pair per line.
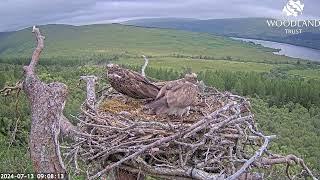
x,y
47,102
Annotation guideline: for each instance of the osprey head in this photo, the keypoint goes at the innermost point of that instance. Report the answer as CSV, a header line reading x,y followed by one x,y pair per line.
x,y
193,78
112,68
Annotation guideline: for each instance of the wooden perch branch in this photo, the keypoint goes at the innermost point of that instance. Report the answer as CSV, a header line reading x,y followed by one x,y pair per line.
x,y
91,92
290,160
257,155
146,61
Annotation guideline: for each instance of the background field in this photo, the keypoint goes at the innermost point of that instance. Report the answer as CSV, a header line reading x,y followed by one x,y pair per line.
x,y
252,28
86,41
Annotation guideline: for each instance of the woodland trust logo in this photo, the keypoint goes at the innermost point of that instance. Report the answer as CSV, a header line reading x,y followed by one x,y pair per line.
x,y
293,8
290,23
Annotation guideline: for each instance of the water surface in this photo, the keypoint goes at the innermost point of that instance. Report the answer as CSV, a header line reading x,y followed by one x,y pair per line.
x,y
288,49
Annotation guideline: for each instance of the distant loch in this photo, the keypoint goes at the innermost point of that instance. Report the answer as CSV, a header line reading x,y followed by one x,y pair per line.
x,y
287,49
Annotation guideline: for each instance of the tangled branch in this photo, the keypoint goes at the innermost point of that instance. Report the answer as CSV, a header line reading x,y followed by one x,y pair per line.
x,y
9,90
220,141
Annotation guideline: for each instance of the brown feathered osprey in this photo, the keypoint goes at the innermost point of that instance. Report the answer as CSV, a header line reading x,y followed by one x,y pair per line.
x,y
131,83
176,97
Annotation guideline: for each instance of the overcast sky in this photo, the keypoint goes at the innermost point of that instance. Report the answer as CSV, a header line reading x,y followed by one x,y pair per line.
x,y
18,14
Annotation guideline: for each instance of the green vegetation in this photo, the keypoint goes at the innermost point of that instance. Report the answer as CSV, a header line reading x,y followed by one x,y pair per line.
x,y
296,127
96,41
14,159
198,65
252,28
285,92
308,73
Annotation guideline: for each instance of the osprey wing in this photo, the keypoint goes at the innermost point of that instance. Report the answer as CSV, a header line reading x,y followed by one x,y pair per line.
x,y
171,85
139,86
183,96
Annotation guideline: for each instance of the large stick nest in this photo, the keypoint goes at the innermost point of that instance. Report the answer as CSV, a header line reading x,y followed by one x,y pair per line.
x,y
218,141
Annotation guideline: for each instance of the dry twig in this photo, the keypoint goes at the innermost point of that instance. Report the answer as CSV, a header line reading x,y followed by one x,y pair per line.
x,y
216,146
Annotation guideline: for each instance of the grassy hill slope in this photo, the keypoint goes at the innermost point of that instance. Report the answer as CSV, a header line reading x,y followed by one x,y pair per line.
x,y
125,43
65,40
4,34
255,28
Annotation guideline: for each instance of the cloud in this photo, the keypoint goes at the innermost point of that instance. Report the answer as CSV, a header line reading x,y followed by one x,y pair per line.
x,y
17,14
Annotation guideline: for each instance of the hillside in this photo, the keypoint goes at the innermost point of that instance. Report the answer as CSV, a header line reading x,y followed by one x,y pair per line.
x,y
4,34
125,43
120,39
122,42
254,28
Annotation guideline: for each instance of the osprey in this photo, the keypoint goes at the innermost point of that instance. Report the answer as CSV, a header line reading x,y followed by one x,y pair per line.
x,y
131,83
176,97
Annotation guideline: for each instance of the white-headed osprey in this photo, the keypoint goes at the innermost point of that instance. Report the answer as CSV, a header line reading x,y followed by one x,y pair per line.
x,y
176,97
131,83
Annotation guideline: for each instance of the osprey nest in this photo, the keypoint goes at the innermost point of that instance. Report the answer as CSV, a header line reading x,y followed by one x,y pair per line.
x,y
219,141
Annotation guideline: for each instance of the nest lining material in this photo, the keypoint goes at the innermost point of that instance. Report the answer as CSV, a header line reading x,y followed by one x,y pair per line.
x,y
120,134
134,109
215,142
